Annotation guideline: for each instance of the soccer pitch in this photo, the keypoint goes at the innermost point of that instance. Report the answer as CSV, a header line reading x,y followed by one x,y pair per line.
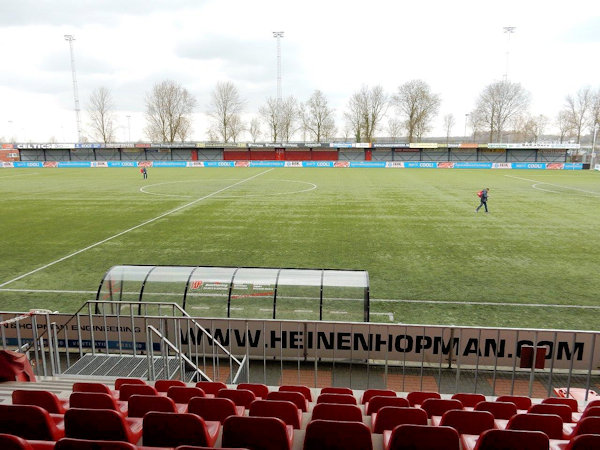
x,y
531,262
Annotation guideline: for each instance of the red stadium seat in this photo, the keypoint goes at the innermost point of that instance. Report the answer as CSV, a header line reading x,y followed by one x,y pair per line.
x,y
378,402
295,397
94,387
506,439
418,397
121,381
164,385
468,422
264,433
336,390
102,424
469,400
389,417
31,422
11,442
139,405
88,444
260,390
500,410
438,406
183,394
337,411
563,411
422,437
520,401
570,402
163,429
44,399
127,390
334,434
217,409
379,392
282,409
587,425
550,424
584,442
97,400
241,397
345,399
304,390
211,387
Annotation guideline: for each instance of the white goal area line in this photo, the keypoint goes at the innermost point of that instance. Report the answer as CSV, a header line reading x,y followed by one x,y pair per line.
x,y
536,182
154,219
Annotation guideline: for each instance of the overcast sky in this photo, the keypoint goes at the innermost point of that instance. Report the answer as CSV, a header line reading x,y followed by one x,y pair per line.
x,y
457,47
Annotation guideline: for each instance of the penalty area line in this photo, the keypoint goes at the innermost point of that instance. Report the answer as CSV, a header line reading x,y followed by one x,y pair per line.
x,y
149,221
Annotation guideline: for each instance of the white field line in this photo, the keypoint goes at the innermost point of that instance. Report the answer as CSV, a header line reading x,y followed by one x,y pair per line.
x,y
20,175
536,182
390,315
154,219
373,300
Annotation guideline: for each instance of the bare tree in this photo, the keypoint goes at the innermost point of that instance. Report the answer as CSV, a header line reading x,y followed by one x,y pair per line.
x,y
288,118
236,127
270,115
102,116
394,129
254,129
564,125
498,105
579,108
365,112
225,108
317,118
449,123
168,112
417,107
595,111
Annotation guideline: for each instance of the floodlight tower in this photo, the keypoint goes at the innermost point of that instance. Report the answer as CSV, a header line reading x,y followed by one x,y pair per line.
x,y
508,31
71,38
278,35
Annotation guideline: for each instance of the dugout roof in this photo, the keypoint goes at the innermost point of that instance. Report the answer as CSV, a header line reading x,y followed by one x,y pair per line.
x,y
245,292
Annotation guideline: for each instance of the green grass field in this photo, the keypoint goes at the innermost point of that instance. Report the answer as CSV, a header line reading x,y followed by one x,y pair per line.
x,y
415,231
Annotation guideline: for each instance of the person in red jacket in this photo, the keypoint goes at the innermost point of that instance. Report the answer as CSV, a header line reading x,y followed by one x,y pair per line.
x,y
484,199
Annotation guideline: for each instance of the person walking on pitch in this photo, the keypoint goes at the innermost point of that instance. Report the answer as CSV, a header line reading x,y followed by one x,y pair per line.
x,y
483,196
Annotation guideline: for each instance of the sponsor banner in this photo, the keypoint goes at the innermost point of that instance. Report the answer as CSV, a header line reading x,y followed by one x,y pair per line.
x,y
534,145
252,145
362,145
219,163
99,164
145,163
468,145
575,166
493,150
318,163
267,163
115,145
7,146
430,345
391,145
528,165
423,145
52,164
420,164
195,164
7,164
87,145
445,165
9,155
242,163
28,164
142,145
169,163
555,166
293,163
122,163
503,165
74,164
341,164
341,144
378,164
472,165
395,164
453,145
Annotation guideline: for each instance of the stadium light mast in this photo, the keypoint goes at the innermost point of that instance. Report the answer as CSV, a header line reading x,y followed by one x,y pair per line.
x,y
71,38
508,31
278,35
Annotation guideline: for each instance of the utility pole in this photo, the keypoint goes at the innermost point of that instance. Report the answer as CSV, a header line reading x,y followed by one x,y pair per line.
x,y
71,38
508,31
278,35
129,129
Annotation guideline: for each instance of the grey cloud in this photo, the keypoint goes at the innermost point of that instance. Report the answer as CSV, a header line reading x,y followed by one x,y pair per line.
x,y
74,12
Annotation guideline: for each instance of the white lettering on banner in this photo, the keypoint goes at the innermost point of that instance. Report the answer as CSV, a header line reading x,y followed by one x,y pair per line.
x,y
394,343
